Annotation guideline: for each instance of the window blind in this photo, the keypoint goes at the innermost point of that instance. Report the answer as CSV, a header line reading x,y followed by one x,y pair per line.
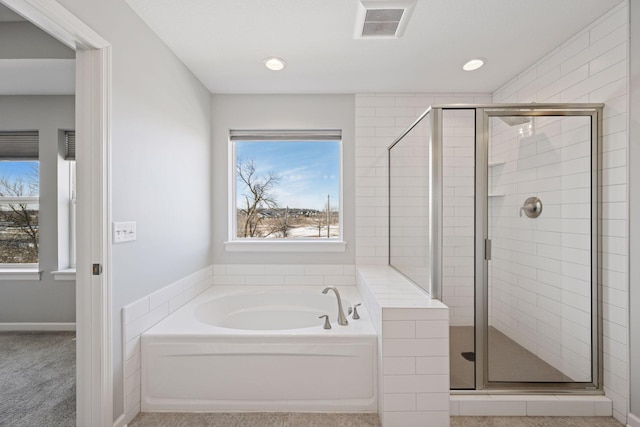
x,y
19,145
70,145
286,135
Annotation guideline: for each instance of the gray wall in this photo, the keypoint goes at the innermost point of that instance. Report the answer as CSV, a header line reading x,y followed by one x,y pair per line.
x,y
23,40
46,300
634,209
161,153
281,112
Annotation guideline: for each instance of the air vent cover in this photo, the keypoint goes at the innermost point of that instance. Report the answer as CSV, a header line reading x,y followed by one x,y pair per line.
x,y
382,22
382,19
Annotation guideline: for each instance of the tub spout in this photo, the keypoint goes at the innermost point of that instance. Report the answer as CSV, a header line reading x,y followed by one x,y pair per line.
x,y
342,319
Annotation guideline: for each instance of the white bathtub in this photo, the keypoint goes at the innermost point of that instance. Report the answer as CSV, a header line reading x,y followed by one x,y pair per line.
x,y
261,349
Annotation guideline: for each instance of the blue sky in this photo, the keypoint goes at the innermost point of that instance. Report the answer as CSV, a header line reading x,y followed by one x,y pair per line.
x,y
12,170
308,170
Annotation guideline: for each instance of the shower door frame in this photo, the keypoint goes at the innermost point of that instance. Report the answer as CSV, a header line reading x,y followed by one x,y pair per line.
x,y
482,115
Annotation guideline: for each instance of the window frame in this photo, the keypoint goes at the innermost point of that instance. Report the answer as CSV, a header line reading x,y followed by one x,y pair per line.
x,y
67,268
235,244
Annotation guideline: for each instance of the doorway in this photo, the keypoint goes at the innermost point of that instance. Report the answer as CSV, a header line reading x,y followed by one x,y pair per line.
x,y
93,273
537,180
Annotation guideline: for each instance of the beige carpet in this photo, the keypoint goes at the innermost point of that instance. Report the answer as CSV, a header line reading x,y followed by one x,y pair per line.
x,y
508,361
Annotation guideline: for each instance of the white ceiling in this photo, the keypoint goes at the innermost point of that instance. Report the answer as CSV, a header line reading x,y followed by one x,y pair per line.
x,y
224,42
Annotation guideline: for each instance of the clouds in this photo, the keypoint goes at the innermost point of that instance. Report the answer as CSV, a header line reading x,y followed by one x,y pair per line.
x,y
308,170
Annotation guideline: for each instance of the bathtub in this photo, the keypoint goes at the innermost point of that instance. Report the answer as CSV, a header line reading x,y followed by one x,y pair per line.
x,y
261,349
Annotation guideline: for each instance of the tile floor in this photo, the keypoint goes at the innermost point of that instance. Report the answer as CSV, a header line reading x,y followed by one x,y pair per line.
x,y
267,419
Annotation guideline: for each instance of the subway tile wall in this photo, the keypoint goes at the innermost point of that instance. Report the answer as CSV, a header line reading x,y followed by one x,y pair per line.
x,y
380,119
284,274
413,349
458,215
409,206
592,67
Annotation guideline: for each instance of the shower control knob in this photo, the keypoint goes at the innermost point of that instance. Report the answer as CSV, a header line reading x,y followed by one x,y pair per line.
x,y
532,207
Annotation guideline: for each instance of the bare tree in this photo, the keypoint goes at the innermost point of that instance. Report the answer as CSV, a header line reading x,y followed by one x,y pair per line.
x,y
280,224
320,220
258,196
20,221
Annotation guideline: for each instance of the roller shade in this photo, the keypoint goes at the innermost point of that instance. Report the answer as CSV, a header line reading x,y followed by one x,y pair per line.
x,y
286,135
70,145
22,145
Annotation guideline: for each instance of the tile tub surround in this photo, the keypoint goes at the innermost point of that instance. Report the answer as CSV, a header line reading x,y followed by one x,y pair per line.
x,y
413,349
142,315
284,274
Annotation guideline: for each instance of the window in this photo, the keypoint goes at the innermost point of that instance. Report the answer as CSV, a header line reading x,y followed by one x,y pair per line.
x,y
70,157
286,188
66,197
19,200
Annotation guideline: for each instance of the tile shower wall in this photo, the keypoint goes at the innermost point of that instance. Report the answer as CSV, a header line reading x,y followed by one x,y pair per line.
x,y
409,205
458,157
592,67
540,272
380,119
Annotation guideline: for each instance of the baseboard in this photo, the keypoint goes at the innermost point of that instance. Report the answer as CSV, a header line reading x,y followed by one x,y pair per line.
x,y
633,420
35,326
120,421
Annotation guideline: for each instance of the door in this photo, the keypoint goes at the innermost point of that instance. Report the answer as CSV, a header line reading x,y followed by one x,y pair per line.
x,y
540,248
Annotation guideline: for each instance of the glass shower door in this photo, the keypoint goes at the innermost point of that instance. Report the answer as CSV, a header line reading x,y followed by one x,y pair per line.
x,y
539,249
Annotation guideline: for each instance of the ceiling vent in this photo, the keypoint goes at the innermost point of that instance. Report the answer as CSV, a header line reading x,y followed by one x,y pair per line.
x,y
382,18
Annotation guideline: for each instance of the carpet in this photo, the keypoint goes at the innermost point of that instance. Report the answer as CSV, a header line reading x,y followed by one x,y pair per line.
x,y
37,379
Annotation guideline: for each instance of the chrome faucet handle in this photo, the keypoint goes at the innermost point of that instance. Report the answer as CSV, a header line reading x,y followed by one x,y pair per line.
x,y
327,324
355,311
349,311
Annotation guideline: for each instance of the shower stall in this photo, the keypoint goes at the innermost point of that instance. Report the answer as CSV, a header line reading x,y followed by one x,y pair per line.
x,y
494,209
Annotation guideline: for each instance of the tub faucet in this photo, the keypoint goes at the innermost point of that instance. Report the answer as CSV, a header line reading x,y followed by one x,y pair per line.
x,y
342,320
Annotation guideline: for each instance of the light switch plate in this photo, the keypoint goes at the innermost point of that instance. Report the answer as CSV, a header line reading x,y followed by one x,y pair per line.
x,y
124,232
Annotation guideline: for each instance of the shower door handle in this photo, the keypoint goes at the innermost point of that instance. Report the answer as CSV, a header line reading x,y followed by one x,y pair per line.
x,y
487,249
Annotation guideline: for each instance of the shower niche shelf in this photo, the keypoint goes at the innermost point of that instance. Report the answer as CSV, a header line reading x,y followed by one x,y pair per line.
x,y
496,195
496,163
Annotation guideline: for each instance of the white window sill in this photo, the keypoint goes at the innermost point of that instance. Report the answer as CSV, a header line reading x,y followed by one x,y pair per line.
x,y
17,273
64,274
285,246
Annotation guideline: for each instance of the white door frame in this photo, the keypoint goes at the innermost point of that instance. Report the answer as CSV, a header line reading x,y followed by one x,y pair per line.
x,y
94,365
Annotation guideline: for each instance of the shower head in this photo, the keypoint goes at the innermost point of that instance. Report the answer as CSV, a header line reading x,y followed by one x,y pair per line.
x,y
515,120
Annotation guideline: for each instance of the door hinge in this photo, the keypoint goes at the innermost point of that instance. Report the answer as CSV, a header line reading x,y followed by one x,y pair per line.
x,y
487,249
96,269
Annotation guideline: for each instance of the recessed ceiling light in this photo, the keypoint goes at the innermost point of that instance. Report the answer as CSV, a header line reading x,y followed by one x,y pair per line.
x,y
474,64
275,64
